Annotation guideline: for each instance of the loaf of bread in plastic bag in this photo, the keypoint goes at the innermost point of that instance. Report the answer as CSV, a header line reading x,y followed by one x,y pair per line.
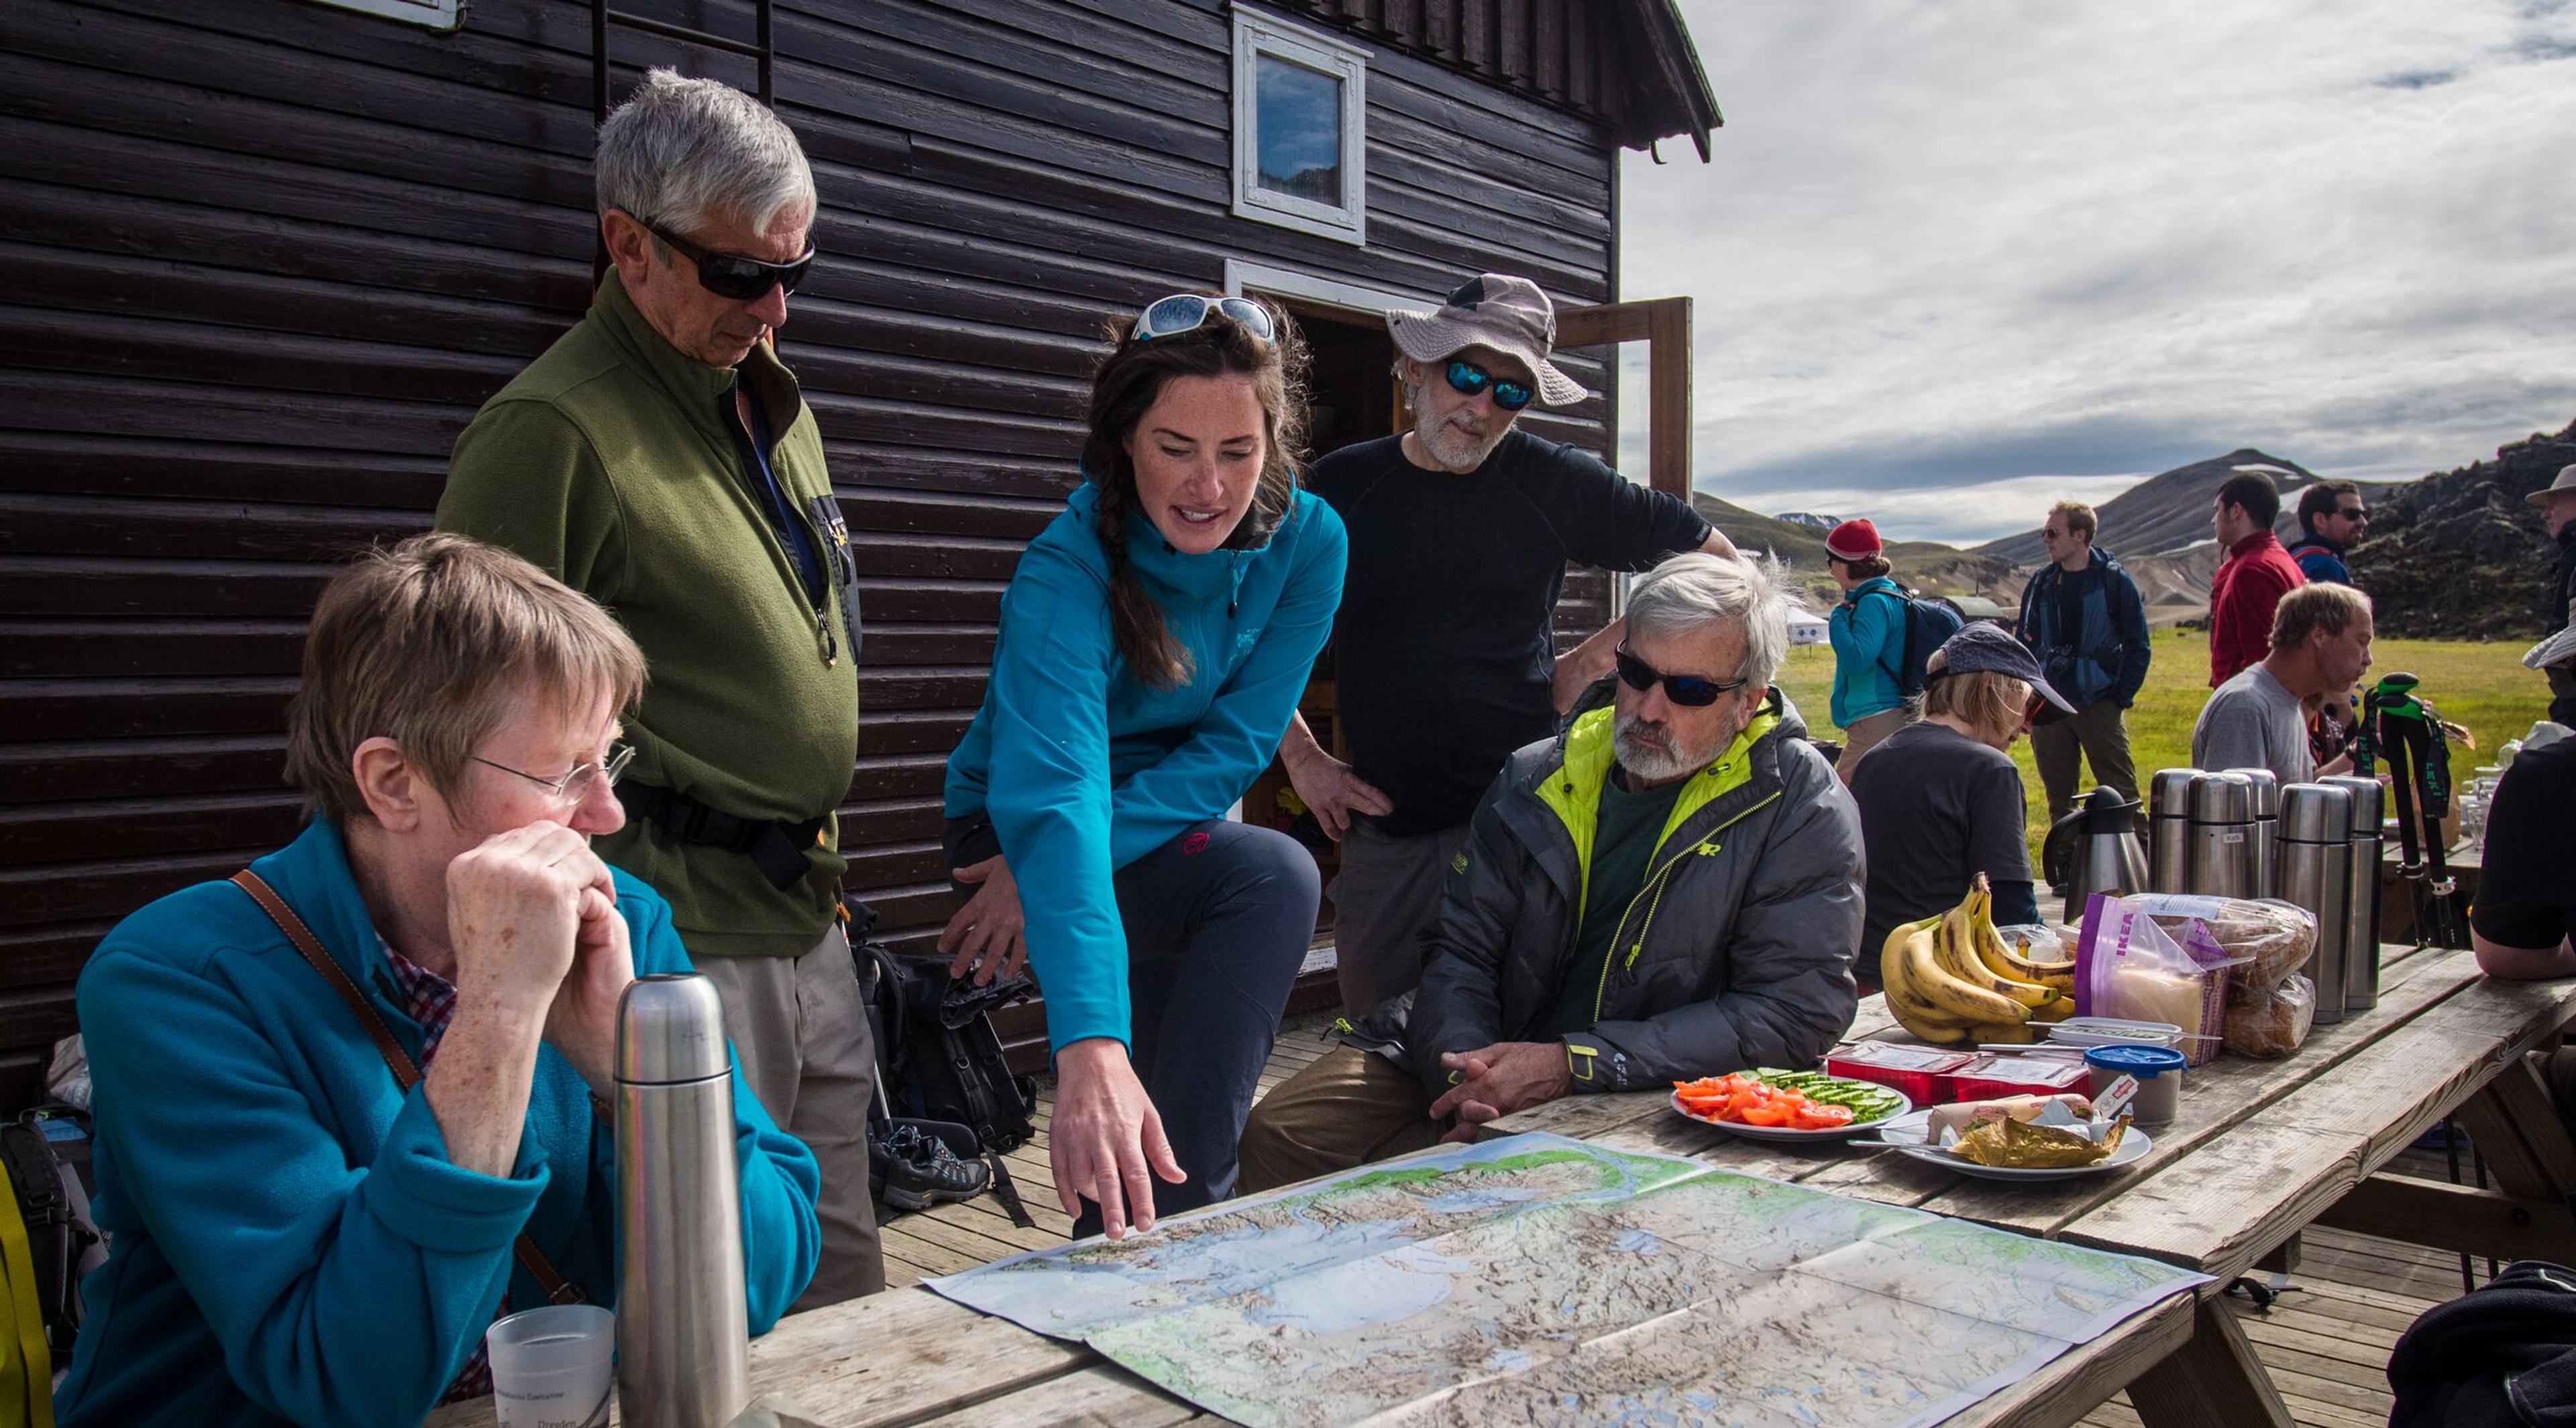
x,y
2277,936
2270,1022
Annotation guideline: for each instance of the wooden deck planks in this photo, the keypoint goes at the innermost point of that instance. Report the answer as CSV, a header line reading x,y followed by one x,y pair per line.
x,y
2325,1344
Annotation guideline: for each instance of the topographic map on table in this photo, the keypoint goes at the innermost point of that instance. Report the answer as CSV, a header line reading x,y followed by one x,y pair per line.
x,y
1535,1279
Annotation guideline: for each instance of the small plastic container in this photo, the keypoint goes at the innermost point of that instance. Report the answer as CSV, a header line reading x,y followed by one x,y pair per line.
x,y
552,1366
2114,1031
2158,1069
1923,1074
1992,1078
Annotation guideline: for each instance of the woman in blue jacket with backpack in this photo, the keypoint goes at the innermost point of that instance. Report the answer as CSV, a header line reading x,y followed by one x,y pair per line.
x,y
1869,642
1154,642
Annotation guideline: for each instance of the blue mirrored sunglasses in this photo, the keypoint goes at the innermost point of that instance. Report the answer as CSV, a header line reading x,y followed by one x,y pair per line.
x,y
1467,379
1188,312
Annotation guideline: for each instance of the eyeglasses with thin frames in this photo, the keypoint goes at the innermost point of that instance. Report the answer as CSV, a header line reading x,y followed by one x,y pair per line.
x,y
575,786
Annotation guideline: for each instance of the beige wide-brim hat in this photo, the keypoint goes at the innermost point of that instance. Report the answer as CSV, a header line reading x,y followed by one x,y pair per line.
x,y
2566,482
1496,310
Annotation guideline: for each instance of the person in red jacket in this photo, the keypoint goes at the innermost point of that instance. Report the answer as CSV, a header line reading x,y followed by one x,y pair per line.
x,y
2253,578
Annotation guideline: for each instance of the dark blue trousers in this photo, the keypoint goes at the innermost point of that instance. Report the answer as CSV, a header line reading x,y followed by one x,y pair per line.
x,y
1218,921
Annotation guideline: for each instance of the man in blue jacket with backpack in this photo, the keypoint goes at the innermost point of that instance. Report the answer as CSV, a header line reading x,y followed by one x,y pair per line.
x,y
2082,616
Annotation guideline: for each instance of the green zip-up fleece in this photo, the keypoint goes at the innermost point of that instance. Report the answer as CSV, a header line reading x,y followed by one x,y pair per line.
x,y
1736,952
612,462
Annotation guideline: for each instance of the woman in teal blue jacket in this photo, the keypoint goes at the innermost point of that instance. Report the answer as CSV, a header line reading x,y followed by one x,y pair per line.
x,y
1868,630
1154,642
294,1237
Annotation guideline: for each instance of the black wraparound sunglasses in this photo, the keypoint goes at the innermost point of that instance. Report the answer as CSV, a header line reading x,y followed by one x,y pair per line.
x,y
732,275
1695,691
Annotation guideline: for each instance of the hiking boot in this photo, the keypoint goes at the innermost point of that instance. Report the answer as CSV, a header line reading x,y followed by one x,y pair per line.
x,y
921,1171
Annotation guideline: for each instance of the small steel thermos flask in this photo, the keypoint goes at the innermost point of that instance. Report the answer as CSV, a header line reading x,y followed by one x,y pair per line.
x,y
2316,861
683,1332
2361,924
2169,830
2267,830
2222,836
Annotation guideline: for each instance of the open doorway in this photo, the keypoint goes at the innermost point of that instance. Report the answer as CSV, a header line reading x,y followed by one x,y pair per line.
x,y
1350,382
1351,397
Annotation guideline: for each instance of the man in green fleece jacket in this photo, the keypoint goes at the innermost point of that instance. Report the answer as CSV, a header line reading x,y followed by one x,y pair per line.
x,y
661,460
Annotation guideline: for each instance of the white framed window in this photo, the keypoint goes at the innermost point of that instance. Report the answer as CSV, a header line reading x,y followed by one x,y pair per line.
x,y
436,14
1300,128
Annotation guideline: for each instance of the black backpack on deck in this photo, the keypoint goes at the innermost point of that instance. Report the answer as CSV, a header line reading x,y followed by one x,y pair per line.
x,y
940,1063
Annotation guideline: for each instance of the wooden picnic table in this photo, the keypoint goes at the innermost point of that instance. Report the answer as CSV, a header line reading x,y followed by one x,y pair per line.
x,y
2261,1150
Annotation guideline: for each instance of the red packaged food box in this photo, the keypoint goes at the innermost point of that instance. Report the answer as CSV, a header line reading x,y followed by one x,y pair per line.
x,y
1921,1072
1994,1077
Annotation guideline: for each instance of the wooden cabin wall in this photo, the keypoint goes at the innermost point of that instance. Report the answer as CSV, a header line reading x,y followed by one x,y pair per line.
x,y
260,261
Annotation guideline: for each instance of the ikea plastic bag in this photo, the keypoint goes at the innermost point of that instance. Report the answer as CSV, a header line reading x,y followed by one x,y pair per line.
x,y
2127,966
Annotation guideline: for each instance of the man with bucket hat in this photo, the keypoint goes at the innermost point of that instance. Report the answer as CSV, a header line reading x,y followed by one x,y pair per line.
x,y
1460,531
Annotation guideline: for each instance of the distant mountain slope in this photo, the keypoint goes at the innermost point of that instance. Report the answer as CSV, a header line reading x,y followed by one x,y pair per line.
x,y
2458,554
2165,513
1810,520
1920,564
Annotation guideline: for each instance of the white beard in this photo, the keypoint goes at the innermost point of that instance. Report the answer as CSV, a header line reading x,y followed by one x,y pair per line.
x,y
1448,446
1648,753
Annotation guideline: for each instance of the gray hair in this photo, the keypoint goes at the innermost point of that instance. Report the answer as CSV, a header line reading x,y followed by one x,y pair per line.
x,y
1696,588
680,151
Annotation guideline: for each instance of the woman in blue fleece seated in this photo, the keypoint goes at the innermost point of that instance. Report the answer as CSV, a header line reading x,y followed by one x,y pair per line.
x,y
1154,642
296,1238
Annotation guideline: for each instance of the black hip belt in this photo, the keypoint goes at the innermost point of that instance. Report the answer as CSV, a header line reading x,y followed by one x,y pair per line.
x,y
777,849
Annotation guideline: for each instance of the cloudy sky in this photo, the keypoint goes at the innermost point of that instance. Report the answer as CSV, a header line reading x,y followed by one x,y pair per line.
x,y
1953,260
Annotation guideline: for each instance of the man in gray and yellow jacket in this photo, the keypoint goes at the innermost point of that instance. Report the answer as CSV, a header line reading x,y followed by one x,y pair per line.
x,y
661,460
1670,888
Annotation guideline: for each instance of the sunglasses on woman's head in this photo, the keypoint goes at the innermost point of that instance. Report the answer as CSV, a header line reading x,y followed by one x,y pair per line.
x,y
731,275
1467,379
1695,691
1188,312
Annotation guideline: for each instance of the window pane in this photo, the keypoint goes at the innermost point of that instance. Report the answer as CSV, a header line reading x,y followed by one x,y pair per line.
x,y
1299,115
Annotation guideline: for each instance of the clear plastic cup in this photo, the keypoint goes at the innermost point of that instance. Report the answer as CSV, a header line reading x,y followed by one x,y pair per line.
x,y
552,1367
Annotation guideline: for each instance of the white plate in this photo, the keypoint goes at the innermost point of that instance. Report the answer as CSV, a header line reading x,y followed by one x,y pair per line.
x,y
1903,1105
2133,1145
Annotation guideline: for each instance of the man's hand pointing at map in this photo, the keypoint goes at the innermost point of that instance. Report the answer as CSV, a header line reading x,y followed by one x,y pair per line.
x,y
1496,1080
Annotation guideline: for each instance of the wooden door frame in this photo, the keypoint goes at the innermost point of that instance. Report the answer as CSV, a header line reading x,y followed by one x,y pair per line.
x,y
1664,325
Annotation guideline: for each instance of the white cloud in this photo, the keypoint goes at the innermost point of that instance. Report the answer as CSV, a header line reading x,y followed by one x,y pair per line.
x,y
1951,257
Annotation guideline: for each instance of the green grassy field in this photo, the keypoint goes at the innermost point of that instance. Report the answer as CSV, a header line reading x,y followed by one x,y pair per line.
x,y
2482,686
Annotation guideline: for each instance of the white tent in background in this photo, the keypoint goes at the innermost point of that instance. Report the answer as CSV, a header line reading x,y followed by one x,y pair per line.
x,y
1806,629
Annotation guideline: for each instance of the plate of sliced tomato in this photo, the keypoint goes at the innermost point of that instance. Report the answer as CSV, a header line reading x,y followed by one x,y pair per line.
x,y
1791,1106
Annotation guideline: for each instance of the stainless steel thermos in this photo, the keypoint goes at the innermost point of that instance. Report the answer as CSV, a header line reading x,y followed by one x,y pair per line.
x,y
2222,862
683,1332
2316,864
2267,830
2361,920
2169,829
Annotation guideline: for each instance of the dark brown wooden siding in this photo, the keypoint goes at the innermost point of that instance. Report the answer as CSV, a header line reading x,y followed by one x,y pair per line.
x,y
1625,63
261,260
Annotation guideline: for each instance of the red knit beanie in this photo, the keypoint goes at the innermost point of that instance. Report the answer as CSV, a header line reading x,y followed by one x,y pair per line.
x,y
1853,540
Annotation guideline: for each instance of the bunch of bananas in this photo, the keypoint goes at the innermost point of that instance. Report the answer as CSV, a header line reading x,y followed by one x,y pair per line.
x,y
1952,979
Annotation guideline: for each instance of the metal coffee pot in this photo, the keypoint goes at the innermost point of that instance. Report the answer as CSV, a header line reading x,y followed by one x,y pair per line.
x,y
2096,849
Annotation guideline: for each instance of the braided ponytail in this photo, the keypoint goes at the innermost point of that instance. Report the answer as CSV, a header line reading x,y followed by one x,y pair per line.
x,y
1127,385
